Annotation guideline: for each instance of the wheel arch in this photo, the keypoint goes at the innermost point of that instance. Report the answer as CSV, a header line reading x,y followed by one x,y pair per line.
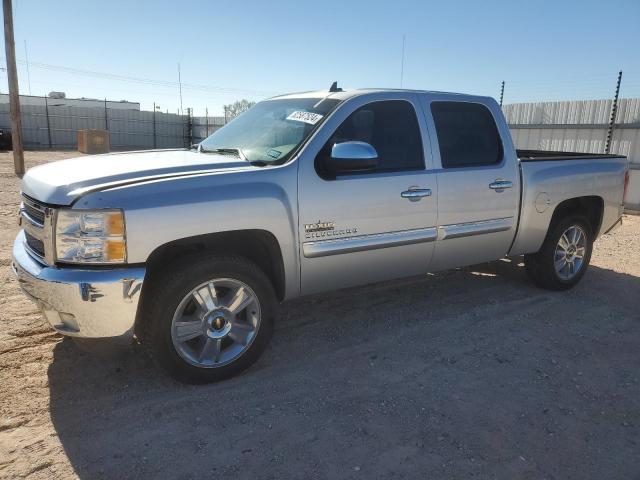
x,y
592,207
259,246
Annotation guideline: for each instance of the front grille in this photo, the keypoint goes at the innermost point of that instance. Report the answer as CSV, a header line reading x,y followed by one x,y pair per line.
x,y
34,244
33,208
36,222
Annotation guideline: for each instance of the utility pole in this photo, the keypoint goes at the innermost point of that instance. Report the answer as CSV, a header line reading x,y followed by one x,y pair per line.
x,y
501,93
612,118
26,61
180,86
14,93
402,61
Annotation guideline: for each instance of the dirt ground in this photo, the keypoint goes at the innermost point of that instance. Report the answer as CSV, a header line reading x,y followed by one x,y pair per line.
x,y
472,373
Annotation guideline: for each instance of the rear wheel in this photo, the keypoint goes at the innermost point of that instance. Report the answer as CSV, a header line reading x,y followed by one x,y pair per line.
x,y
210,319
564,256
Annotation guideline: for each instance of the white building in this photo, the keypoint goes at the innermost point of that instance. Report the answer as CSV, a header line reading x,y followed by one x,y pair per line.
x,y
58,100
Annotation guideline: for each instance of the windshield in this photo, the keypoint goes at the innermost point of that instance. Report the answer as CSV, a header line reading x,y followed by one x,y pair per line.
x,y
271,130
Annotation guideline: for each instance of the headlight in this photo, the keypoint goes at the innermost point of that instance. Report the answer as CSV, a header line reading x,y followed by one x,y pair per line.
x,y
90,236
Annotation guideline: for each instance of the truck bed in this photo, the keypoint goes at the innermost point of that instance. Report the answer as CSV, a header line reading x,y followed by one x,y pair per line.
x,y
548,180
549,156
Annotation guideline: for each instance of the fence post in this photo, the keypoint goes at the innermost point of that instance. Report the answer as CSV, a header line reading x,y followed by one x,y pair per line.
x,y
190,127
154,126
184,133
206,116
106,122
46,111
612,118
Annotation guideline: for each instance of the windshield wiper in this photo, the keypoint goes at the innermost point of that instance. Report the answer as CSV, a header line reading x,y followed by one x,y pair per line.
x,y
236,152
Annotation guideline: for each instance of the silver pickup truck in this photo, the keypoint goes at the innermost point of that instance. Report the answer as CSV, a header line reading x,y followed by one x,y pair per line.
x,y
190,251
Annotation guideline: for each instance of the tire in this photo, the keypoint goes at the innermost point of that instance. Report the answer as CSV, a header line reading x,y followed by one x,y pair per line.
x,y
174,313
541,266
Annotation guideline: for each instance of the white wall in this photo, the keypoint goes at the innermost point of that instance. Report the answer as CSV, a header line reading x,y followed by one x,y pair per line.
x,y
72,102
128,129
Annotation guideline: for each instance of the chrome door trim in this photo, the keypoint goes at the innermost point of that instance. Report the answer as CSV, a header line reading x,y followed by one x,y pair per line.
x,y
475,228
368,242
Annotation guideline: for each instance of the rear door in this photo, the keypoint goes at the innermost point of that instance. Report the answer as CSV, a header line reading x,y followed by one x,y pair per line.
x,y
478,181
367,227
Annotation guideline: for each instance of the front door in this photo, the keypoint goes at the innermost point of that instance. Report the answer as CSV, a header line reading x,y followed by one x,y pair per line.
x,y
367,227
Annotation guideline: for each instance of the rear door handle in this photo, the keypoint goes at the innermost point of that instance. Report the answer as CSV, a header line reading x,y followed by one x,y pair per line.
x,y
500,185
415,194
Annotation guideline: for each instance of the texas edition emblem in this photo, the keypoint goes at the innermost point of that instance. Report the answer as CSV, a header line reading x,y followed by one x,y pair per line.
x,y
325,229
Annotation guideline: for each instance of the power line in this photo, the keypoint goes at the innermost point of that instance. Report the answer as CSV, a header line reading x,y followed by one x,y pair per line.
x,y
144,81
180,84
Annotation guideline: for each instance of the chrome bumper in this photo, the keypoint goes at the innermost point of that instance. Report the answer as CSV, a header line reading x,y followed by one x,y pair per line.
x,y
80,302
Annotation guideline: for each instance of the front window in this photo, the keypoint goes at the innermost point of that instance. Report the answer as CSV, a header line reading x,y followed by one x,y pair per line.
x,y
391,127
270,131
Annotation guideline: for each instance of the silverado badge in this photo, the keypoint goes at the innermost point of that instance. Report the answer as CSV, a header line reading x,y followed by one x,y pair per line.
x,y
322,229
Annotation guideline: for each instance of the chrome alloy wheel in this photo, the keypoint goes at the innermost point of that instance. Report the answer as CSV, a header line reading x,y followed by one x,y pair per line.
x,y
215,322
570,251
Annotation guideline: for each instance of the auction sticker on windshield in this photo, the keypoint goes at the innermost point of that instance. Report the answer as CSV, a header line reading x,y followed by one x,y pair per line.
x,y
306,117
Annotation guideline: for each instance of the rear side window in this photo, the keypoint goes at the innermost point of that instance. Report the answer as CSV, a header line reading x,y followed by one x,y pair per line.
x,y
391,127
467,134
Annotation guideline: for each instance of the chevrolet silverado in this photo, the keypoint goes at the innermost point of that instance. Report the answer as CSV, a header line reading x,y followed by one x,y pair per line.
x,y
189,252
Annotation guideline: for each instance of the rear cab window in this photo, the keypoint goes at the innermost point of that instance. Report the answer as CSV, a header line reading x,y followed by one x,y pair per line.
x,y
467,134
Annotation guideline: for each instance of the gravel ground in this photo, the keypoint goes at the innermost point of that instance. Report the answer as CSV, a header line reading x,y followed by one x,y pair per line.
x,y
469,373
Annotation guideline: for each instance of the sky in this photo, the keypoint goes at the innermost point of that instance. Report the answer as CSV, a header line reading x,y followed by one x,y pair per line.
x,y
228,50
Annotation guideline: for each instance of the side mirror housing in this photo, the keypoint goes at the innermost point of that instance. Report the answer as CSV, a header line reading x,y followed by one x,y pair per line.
x,y
349,157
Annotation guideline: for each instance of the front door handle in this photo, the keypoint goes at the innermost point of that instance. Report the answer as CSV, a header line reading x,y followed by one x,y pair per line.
x,y
500,185
415,194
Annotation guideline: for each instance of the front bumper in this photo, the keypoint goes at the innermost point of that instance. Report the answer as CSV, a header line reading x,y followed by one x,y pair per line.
x,y
85,303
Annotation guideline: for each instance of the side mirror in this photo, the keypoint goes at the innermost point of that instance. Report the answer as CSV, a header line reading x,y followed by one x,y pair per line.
x,y
349,157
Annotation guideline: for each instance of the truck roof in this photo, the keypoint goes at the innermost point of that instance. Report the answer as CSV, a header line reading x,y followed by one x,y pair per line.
x,y
349,93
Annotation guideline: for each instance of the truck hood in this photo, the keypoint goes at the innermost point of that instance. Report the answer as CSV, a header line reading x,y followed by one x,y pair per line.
x,y
60,183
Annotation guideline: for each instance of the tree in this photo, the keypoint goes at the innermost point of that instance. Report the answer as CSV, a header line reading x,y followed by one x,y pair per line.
x,y
236,108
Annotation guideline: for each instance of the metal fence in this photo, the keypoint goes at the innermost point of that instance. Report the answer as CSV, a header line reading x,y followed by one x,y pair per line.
x,y
202,127
56,127
580,126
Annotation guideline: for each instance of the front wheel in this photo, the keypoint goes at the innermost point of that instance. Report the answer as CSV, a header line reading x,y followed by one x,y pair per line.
x,y
210,319
564,256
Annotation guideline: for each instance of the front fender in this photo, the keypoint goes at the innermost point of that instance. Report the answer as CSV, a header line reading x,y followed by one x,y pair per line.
x,y
160,212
